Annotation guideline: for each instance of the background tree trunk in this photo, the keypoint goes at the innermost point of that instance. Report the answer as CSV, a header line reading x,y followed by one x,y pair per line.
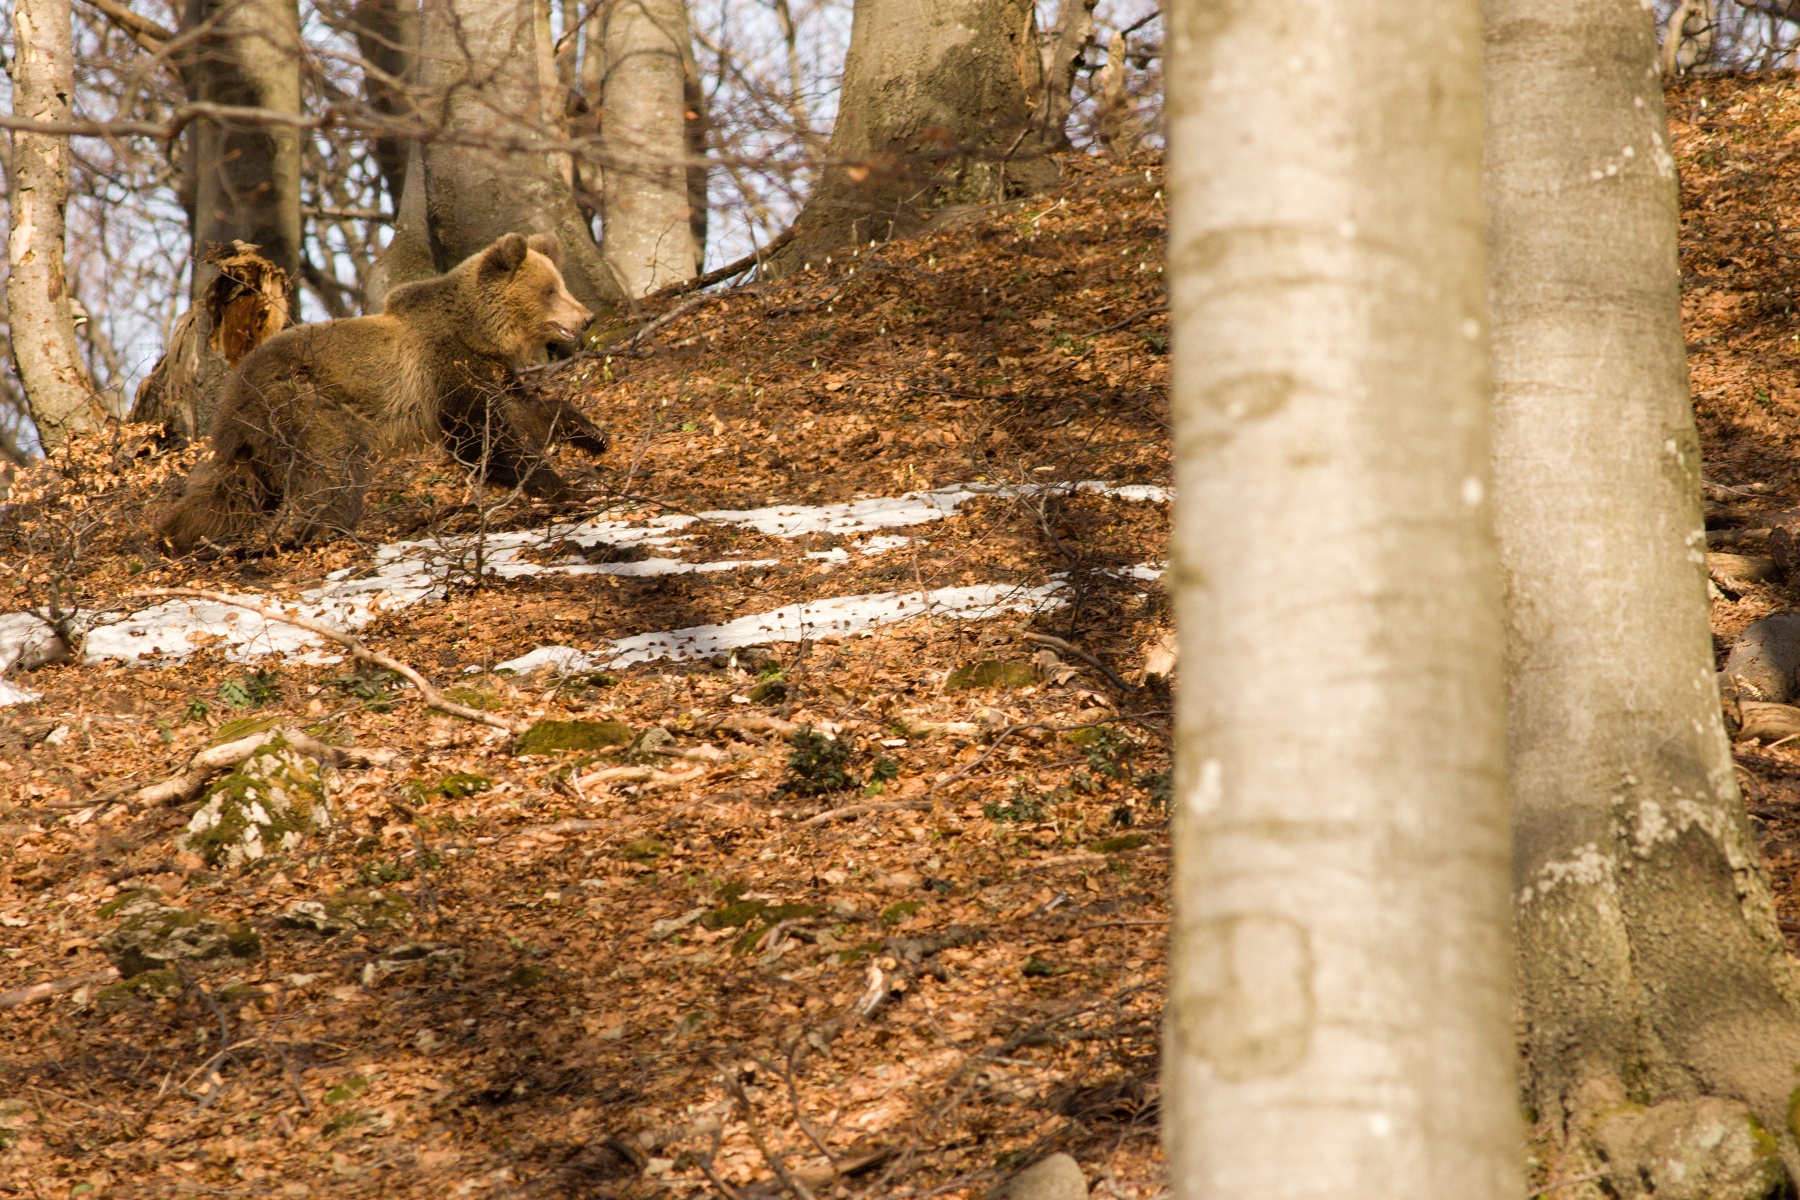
x,y
646,217
246,177
485,66
1649,961
935,108
1073,34
387,37
1338,1020
61,396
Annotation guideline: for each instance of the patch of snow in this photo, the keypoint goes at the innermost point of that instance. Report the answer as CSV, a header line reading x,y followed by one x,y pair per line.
x,y
833,555
795,622
27,641
881,545
405,573
11,694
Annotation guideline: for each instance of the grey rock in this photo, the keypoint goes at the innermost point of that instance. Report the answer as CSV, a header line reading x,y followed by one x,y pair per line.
x,y
365,911
1763,660
1705,1149
1058,1177
152,935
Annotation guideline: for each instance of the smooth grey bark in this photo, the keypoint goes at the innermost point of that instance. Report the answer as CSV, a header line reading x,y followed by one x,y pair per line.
x,y
1070,39
935,109
61,397
1650,965
246,184
1338,1019
486,72
647,226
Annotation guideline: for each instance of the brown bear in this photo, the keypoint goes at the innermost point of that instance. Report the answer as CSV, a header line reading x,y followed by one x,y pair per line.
x,y
306,412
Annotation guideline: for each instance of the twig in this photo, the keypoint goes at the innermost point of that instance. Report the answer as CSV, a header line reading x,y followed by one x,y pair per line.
x,y
1131,320
706,1168
736,1087
432,697
1061,646
54,987
860,810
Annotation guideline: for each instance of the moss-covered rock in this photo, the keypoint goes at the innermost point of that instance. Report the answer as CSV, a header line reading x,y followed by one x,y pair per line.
x,y
364,911
151,985
269,805
990,673
1703,1149
151,935
552,737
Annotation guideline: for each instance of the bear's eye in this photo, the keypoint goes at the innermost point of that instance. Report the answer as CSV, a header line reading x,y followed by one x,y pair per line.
x,y
549,293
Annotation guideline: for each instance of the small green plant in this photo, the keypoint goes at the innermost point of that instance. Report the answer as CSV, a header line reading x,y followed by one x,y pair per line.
x,y
254,690
371,685
817,765
197,711
1025,806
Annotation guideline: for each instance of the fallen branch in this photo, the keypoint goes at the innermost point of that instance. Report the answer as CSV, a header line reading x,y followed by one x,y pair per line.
x,y
728,271
1062,647
649,776
863,810
213,759
751,724
54,987
432,697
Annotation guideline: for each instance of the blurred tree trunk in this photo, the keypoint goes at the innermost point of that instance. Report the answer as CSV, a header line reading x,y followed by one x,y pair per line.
x,y
486,73
1688,36
387,38
246,176
936,109
62,398
1070,39
1338,1016
1650,964
646,211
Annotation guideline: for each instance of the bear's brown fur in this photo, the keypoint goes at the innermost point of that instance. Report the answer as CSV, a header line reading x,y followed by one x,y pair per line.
x,y
307,411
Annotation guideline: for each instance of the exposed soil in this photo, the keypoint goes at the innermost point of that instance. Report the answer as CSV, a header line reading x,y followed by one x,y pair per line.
x,y
626,984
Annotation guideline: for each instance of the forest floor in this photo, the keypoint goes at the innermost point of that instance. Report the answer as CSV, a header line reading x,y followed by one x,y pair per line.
x,y
691,965
1737,143
679,965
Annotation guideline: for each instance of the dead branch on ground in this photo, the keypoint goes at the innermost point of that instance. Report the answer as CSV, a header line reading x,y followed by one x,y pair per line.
x,y
432,697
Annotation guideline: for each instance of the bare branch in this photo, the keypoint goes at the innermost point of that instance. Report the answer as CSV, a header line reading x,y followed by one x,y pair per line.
x,y
432,697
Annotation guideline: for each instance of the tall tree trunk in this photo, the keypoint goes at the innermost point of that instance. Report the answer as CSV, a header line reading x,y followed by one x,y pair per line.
x,y
61,396
387,38
646,218
1073,34
935,109
485,66
1650,965
246,176
1338,1020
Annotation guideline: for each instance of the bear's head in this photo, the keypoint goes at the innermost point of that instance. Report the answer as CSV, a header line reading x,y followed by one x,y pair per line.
x,y
520,298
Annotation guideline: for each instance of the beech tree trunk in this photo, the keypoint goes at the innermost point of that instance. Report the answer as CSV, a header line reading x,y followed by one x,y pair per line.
x,y
1073,34
246,176
61,397
485,66
1338,1020
647,231
936,109
1650,965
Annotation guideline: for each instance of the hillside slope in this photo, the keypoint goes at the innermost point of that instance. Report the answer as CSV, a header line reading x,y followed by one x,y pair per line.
x,y
612,970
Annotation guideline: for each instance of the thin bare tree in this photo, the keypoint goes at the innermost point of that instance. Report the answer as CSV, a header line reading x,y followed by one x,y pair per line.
x,y
647,217
61,396
1338,1012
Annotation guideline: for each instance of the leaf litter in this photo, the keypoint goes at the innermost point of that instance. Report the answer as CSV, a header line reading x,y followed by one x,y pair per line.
x,y
627,967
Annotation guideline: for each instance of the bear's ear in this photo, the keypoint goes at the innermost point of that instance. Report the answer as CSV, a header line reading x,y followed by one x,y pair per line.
x,y
548,245
504,256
